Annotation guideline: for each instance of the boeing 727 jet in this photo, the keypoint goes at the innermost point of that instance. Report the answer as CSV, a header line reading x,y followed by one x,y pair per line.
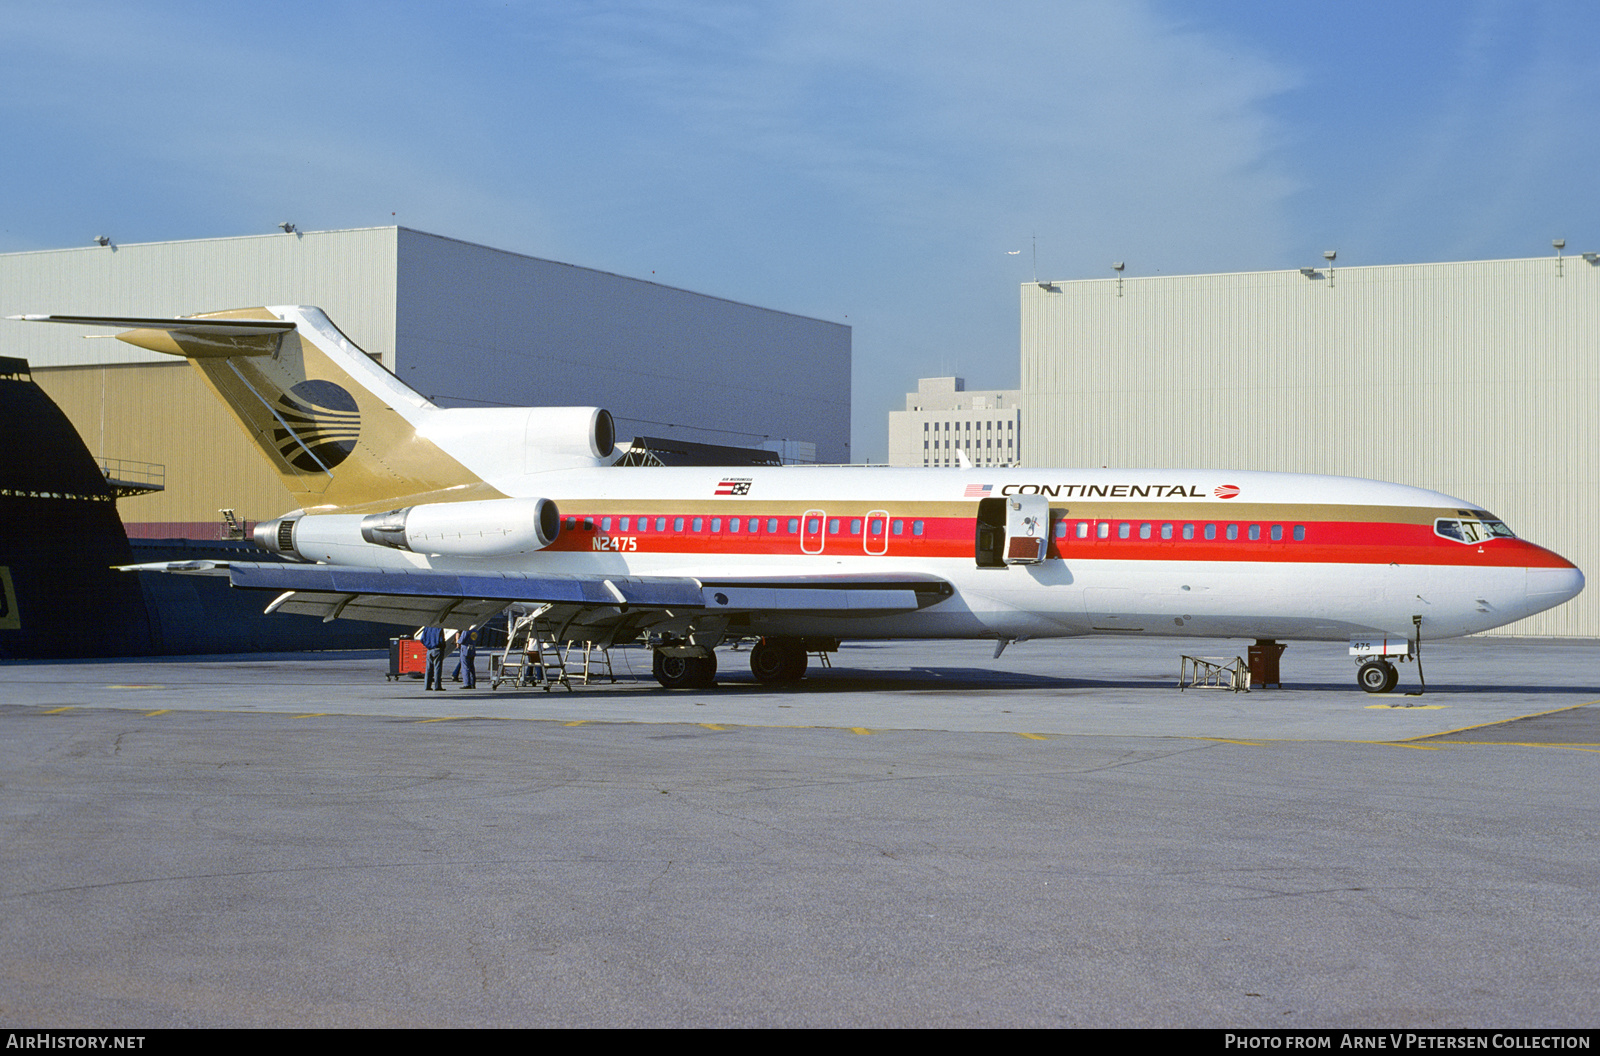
x,y
415,514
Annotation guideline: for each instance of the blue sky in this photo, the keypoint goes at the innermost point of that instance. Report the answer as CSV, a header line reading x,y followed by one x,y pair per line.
x,y
867,163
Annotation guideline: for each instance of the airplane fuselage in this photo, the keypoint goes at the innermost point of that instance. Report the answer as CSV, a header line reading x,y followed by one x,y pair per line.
x,y
1185,552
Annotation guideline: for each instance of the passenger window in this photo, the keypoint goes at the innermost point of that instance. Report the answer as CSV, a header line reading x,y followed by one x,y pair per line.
x,y
772,526
813,524
1233,531
1255,532
1188,531
794,525
855,526
716,525
1211,531
916,527
897,527
699,524
1299,533
733,524
571,525
1166,531
1083,529
1144,531
833,526
876,526
1277,533
605,524
1061,529
661,524
1124,530
623,523
1103,530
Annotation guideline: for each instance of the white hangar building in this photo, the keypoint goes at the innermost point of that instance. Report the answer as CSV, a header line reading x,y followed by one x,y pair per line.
x,y
1477,379
463,324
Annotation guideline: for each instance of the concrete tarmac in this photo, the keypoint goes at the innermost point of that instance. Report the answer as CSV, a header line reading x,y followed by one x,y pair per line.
x,y
920,836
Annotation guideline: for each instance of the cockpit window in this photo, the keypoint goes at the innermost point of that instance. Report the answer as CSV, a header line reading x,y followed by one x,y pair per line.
x,y
1474,529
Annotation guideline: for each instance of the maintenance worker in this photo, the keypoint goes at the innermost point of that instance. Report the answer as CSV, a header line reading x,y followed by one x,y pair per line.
x,y
433,640
466,655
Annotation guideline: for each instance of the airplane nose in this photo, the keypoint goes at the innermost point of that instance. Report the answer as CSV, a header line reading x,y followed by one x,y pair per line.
x,y
1548,587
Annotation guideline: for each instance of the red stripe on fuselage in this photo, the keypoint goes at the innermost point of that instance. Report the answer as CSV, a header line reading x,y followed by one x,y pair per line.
x,y
1328,542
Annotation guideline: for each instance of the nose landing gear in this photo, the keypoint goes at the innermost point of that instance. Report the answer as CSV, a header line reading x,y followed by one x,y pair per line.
x,y
1377,676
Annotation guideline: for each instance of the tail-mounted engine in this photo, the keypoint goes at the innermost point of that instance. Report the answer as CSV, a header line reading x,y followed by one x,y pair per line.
x,y
489,528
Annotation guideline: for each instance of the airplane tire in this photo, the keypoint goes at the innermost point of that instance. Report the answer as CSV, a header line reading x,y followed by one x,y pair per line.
x,y
685,672
1377,676
778,660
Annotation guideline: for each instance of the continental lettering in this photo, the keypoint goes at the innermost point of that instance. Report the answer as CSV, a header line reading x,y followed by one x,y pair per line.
x,y
1106,491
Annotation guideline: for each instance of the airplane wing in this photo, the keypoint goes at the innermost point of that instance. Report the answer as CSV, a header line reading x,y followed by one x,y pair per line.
x,y
423,597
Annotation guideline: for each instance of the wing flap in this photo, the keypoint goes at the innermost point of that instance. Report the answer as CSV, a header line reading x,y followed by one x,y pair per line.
x,y
417,597
505,587
811,599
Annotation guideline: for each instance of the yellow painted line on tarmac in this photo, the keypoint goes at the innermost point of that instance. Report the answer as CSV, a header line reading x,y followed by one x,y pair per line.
x,y
575,722
1529,744
1407,707
158,711
861,730
712,726
1225,740
58,711
443,718
1500,722
1403,744
312,715
1031,736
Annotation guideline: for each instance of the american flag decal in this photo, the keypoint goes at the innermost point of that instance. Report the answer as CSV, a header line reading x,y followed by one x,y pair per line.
x,y
977,491
733,487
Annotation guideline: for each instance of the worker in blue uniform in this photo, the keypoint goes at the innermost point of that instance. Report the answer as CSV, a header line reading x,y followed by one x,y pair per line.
x,y
433,641
467,655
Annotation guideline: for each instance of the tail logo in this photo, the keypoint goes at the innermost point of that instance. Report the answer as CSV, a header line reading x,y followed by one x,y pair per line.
x,y
319,423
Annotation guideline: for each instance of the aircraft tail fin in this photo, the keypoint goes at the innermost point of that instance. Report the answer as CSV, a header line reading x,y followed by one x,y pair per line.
x,y
341,431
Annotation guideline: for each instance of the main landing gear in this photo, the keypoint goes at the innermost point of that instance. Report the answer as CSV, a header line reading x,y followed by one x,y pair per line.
x,y
772,661
779,660
685,672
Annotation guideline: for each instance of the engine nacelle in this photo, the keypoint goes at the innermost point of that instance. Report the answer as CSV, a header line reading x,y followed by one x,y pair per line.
x,y
515,441
489,528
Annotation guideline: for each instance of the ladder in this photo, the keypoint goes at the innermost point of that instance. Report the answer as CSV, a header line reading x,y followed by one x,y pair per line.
x,y
532,656
594,666
1213,672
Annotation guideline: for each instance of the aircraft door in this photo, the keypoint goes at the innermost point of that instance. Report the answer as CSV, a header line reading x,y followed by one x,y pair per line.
x,y
1027,529
1012,531
811,531
877,538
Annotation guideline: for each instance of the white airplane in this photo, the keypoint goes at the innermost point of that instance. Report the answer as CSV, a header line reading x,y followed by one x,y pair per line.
x,y
419,515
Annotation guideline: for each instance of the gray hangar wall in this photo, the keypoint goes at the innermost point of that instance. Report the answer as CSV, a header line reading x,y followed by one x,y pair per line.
x,y
1477,379
476,324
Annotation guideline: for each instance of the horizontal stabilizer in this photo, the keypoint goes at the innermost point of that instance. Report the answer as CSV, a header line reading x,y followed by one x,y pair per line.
x,y
193,338
195,326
